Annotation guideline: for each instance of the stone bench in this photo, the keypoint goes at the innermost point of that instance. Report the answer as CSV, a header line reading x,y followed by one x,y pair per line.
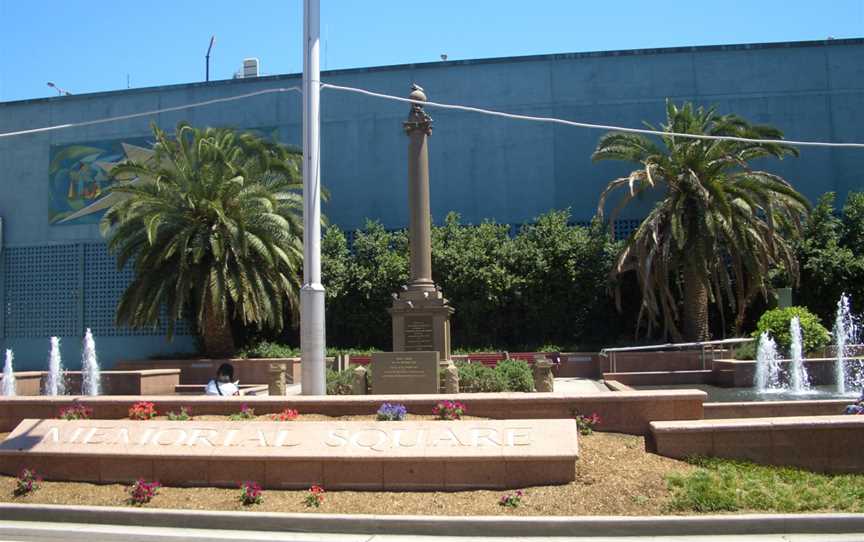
x,y
819,443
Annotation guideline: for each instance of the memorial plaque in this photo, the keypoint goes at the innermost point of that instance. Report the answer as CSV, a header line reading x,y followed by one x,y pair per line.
x,y
419,335
404,455
395,373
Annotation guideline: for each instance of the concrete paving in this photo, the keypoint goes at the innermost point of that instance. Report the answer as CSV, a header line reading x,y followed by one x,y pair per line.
x,y
79,532
580,385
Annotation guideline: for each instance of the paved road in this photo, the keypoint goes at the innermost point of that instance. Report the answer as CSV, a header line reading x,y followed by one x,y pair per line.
x,y
77,532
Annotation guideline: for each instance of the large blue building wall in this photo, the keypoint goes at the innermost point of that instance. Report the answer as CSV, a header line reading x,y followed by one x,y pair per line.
x,y
481,167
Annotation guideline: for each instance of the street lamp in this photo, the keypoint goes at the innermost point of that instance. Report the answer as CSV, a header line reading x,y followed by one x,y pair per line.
x,y
60,91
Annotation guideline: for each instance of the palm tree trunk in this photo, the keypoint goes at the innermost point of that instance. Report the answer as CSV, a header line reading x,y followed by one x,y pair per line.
x,y
695,306
216,333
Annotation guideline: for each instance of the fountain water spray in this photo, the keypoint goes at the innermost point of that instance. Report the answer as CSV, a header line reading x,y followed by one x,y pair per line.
x,y
798,377
8,389
767,365
846,334
54,383
91,379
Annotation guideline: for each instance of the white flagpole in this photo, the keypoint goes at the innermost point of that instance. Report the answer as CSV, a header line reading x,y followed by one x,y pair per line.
x,y
312,293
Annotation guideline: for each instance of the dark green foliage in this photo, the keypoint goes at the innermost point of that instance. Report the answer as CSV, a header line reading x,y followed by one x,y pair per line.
x,y
723,485
548,284
359,283
473,267
776,323
831,256
563,270
517,374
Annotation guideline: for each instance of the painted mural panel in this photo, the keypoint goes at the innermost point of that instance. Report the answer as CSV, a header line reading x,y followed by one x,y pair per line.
x,y
79,175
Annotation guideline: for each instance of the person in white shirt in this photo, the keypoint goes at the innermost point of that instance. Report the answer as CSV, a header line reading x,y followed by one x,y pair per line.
x,y
224,383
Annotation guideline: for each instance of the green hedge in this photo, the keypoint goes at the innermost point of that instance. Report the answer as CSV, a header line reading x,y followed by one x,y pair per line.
x,y
547,284
508,375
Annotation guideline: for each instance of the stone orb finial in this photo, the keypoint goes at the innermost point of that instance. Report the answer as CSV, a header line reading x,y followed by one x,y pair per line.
x,y
417,93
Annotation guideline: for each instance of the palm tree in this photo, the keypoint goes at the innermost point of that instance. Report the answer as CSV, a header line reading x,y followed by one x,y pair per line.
x,y
719,226
211,222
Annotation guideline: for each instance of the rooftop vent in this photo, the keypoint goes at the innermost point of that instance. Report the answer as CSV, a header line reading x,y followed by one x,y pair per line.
x,y
250,67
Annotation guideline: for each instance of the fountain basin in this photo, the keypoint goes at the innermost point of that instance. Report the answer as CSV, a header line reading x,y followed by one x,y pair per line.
x,y
741,373
719,394
146,382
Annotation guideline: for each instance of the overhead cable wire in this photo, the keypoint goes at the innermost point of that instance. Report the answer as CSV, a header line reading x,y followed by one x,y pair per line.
x,y
150,113
590,125
456,107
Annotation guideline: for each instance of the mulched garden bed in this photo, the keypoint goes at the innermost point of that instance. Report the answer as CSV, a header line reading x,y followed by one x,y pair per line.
x,y
614,476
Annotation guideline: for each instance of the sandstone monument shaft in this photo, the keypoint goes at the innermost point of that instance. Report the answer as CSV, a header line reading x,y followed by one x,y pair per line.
x,y
421,314
418,127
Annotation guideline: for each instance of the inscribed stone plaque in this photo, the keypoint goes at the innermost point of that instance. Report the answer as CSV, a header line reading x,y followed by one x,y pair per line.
x,y
404,372
419,336
340,454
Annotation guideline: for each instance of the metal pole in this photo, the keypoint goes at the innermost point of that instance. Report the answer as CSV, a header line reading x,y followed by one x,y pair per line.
x,y
312,293
207,56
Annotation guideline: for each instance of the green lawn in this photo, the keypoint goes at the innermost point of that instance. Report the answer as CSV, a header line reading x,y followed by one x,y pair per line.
x,y
722,485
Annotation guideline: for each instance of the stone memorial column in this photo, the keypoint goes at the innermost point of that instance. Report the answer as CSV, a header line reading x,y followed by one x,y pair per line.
x,y
421,314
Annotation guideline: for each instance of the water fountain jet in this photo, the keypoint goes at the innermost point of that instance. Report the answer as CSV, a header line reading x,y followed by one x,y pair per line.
x,y
800,381
767,365
8,389
55,380
90,376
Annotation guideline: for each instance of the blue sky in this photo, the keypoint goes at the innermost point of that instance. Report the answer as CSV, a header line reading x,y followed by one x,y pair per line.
x,y
92,45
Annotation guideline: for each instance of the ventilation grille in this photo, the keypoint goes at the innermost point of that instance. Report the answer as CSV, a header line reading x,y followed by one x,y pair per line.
x,y
63,289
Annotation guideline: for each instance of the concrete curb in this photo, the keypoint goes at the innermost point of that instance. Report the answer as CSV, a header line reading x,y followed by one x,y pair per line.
x,y
443,525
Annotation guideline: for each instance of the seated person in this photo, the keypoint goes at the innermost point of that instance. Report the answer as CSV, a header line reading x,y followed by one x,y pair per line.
x,y
224,383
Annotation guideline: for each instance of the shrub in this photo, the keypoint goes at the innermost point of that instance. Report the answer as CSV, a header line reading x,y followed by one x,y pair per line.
x,y
287,415
266,349
315,497
511,500
340,382
142,411
185,414
449,410
246,413
517,374
586,424
477,378
390,412
776,322
27,482
251,493
75,412
746,350
142,492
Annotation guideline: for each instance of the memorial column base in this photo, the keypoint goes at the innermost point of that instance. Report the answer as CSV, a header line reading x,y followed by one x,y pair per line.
x,y
421,322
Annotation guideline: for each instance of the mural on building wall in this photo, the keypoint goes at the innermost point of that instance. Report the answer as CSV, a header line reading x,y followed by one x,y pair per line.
x,y
79,175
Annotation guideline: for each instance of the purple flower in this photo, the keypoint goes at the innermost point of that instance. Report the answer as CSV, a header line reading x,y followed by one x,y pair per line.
x,y
390,412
